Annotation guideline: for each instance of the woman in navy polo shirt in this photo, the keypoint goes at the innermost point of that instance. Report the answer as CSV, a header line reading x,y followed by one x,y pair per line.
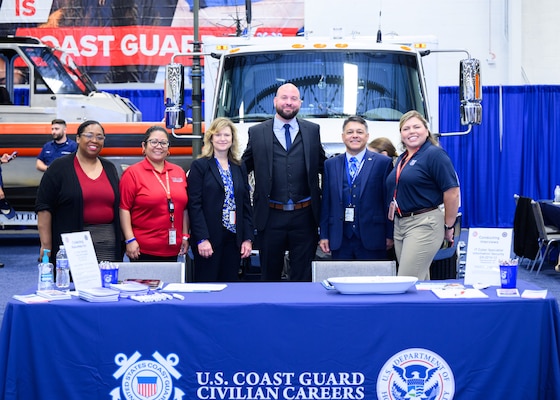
x,y
423,179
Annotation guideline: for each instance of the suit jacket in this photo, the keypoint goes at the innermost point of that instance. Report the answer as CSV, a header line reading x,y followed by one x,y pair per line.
x,y
373,224
206,198
258,157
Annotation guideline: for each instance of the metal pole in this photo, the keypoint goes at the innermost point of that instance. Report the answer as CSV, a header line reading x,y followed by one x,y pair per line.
x,y
196,86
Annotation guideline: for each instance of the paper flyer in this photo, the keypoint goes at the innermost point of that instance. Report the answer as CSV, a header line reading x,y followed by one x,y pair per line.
x,y
82,260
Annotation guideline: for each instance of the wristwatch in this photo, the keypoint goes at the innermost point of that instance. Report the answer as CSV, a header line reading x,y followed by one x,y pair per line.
x,y
448,228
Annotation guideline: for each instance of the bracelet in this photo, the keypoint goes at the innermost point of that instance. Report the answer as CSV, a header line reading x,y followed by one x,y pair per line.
x,y
132,239
448,228
185,237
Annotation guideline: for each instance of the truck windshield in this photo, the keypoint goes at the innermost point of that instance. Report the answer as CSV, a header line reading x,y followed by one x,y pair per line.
x,y
378,85
60,75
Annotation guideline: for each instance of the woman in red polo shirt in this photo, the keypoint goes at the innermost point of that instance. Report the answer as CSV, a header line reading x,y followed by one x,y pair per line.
x,y
153,208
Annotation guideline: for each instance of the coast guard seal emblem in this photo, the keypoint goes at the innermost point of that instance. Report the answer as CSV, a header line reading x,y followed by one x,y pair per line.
x,y
415,373
146,379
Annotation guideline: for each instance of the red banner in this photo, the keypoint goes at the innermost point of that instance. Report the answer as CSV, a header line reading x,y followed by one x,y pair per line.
x,y
130,45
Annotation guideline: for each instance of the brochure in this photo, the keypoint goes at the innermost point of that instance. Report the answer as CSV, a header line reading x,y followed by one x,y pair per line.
x,y
54,294
30,298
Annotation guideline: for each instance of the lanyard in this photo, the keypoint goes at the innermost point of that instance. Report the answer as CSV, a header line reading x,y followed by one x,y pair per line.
x,y
400,167
227,181
170,205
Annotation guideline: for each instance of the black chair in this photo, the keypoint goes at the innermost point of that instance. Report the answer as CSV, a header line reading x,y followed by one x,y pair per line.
x,y
546,240
445,264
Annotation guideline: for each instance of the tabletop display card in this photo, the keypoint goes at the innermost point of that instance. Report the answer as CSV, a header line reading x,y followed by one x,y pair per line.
x,y
487,246
82,260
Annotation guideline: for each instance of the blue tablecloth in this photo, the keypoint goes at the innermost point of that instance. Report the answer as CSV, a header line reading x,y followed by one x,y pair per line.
x,y
283,341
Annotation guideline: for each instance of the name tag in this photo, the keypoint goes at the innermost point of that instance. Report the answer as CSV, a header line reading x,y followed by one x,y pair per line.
x,y
392,210
232,217
349,214
172,236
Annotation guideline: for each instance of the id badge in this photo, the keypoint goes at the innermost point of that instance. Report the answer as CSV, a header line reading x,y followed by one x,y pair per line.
x,y
172,236
349,214
392,209
232,217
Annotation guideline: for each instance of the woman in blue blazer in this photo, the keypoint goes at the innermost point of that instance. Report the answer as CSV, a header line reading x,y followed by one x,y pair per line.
x,y
219,206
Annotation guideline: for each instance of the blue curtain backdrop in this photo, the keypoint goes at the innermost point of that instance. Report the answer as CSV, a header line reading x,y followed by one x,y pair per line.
x,y
514,150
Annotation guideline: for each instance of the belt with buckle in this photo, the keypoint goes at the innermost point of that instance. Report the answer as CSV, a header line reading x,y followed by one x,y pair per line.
x,y
290,207
417,212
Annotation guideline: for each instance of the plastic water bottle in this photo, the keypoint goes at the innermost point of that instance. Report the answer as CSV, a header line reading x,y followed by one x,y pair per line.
x,y
557,194
45,273
62,270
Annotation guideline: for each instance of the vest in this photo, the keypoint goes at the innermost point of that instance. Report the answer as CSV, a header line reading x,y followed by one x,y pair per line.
x,y
351,228
289,176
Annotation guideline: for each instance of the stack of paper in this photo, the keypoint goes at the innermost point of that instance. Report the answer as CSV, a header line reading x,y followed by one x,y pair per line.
x,y
99,295
152,283
30,298
130,289
54,294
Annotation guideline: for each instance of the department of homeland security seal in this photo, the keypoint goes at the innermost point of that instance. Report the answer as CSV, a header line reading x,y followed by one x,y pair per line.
x,y
146,379
415,373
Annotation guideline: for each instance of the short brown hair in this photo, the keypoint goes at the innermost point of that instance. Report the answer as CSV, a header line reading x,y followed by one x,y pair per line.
x,y
58,121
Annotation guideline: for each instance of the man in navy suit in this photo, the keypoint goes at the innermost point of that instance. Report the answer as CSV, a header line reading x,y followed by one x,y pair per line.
x,y
354,223
287,158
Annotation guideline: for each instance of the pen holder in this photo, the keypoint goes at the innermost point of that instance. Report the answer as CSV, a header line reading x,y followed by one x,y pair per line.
x,y
508,276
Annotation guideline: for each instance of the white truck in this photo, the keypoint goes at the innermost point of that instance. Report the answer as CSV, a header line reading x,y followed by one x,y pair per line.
x,y
339,77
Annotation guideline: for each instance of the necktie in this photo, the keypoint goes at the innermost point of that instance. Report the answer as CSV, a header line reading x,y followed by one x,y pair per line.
x,y
353,167
288,136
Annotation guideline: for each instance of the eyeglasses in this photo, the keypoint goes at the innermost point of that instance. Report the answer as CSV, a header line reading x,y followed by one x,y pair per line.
x,y
155,143
91,136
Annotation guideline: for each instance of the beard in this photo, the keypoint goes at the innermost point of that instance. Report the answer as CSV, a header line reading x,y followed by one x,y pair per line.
x,y
287,114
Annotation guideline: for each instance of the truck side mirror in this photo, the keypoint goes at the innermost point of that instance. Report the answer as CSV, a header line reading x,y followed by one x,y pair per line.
x,y
174,96
470,91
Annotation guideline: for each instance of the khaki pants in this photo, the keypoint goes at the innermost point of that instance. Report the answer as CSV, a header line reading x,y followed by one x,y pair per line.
x,y
417,240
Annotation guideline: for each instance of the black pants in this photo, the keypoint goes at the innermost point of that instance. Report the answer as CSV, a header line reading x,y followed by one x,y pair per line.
x,y
223,265
293,231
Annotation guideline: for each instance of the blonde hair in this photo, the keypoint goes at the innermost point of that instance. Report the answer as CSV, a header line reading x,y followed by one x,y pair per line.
x,y
416,114
217,125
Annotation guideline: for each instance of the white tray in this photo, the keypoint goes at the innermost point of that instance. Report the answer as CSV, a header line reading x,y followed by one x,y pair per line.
x,y
373,284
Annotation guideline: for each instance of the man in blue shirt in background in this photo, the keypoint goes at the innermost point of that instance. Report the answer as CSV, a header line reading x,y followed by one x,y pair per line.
x,y
59,146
